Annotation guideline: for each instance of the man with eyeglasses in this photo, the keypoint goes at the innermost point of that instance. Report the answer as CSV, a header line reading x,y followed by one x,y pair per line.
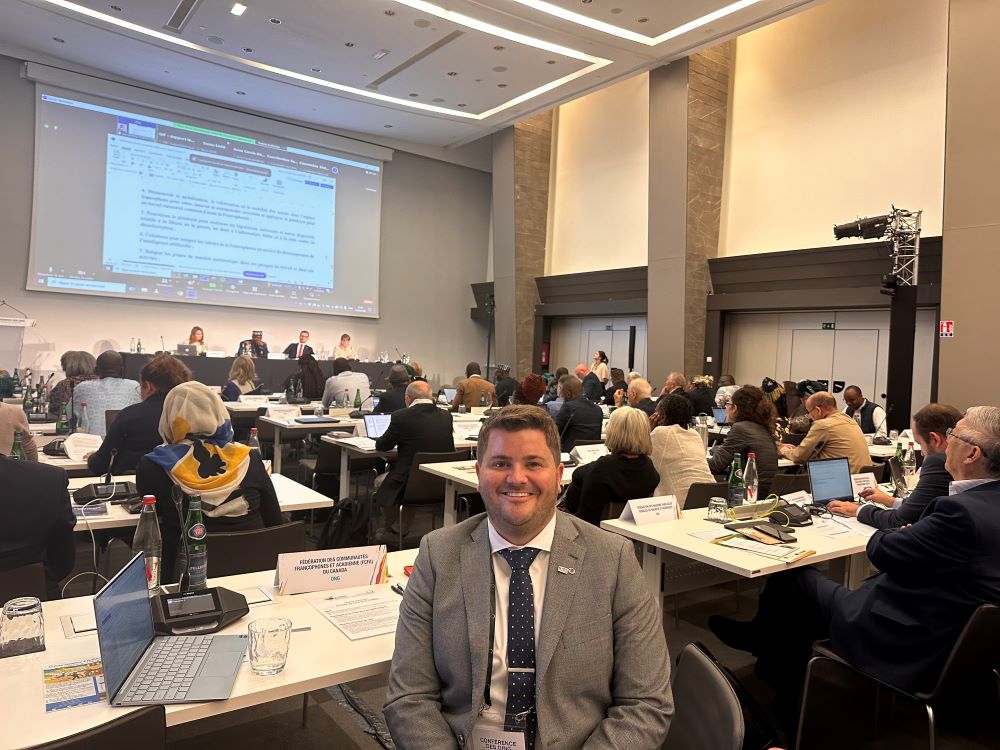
x,y
900,625
833,435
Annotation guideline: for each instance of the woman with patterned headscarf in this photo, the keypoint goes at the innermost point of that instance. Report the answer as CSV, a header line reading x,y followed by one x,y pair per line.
x,y
198,456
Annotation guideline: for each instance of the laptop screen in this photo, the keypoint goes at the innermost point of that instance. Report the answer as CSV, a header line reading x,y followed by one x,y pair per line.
x,y
376,424
830,479
449,393
720,415
124,623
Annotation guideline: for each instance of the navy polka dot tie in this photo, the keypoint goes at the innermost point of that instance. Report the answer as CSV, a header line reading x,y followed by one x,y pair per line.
x,y
521,644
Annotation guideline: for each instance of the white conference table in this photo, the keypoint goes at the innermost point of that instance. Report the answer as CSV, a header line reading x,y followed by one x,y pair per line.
x,y
298,429
318,658
292,496
675,537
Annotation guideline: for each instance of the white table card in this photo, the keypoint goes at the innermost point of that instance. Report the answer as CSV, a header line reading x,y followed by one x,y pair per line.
x,y
587,453
247,398
863,481
324,570
798,498
651,510
284,411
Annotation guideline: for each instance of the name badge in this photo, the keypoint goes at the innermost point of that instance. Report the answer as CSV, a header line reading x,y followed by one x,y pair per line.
x,y
325,570
487,738
651,510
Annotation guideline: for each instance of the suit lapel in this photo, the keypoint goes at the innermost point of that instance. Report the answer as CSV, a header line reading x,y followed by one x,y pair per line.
x,y
560,589
475,575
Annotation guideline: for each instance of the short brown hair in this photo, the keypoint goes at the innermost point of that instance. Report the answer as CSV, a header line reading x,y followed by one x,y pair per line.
x,y
515,419
571,387
937,418
164,372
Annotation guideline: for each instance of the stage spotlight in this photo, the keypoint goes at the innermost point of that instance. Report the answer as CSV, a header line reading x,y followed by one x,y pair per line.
x,y
889,284
866,229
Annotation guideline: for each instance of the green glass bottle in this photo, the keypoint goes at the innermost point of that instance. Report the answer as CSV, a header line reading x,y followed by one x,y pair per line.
x,y
195,540
62,423
17,449
357,399
737,485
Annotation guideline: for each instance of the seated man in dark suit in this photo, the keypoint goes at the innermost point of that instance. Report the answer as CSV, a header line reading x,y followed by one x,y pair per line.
x,y
900,625
420,427
593,389
36,521
394,399
297,351
637,395
255,346
930,427
579,418
617,384
136,429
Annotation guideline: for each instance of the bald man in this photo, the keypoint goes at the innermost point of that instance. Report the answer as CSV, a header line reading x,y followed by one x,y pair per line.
x,y
593,389
833,435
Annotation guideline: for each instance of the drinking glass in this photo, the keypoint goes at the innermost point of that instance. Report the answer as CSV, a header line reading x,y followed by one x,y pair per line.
x,y
717,509
22,627
269,637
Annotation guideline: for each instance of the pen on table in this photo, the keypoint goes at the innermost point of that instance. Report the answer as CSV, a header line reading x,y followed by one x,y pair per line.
x,y
397,588
301,630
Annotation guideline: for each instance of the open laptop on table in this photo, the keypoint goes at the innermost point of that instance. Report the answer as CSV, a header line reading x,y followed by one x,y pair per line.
x,y
829,480
721,418
142,669
449,394
376,424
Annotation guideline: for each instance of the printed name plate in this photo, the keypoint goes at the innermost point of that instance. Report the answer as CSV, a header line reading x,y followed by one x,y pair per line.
x,y
325,570
651,510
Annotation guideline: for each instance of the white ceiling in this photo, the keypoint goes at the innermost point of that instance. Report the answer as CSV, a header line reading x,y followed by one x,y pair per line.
x,y
448,76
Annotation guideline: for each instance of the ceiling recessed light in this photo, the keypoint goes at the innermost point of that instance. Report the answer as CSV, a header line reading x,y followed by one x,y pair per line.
x,y
615,11
421,23
501,85
275,21
437,100
462,105
412,94
500,69
241,93
641,20
248,50
238,9
317,70
586,2
387,126
215,39
498,48
550,62
348,44
390,12
453,73
115,8
380,54
58,39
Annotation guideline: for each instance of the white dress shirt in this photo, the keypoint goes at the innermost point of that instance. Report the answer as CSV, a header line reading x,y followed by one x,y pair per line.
x,y
501,571
960,485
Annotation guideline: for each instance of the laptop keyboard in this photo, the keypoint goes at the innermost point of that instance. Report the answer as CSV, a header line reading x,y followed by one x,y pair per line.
x,y
169,669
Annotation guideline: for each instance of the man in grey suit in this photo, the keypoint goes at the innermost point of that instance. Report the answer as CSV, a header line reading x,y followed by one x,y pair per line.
x,y
599,674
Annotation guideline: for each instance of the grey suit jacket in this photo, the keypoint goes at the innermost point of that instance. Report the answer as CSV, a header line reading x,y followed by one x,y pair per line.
x,y
603,671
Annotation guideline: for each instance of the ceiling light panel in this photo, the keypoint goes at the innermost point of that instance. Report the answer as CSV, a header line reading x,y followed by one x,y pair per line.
x,y
312,33
648,22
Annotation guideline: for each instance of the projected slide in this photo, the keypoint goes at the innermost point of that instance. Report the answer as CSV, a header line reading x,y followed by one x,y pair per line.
x,y
134,204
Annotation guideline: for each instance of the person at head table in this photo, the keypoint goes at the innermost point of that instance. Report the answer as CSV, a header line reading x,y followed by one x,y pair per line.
x,y
255,346
299,350
197,340
344,350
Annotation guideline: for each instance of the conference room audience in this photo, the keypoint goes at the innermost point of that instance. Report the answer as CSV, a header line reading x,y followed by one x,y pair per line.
x,y
504,384
418,371
753,421
678,453
77,366
345,386
593,390
626,473
112,391
637,395
529,391
632,375
198,456
309,377
474,390
420,427
675,384
616,385
36,520
930,428
197,339
300,349
136,430
699,391
833,435
579,418
255,346
599,367
902,622
727,387
869,415
243,380
551,393
555,405
603,677
344,350
394,399
13,419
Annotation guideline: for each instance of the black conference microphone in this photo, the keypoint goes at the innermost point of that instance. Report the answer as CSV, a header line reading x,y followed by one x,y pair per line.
x,y
163,346
397,353
111,463
880,439
360,412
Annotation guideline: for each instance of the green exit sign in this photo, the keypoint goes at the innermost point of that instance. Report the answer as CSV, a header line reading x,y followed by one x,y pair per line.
x,y
829,326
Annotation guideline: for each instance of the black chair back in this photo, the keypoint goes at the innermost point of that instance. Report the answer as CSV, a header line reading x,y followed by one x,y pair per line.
x,y
110,416
877,469
699,493
426,489
145,727
233,552
783,484
976,652
588,442
708,715
28,580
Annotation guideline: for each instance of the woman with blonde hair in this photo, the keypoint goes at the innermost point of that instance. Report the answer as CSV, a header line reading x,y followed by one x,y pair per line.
x,y
197,340
626,473
243,379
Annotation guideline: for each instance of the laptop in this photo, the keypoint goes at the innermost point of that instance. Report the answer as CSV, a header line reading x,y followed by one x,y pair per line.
x,y
898,477
376,424
449,394
141,669
829,480
187,350
720,415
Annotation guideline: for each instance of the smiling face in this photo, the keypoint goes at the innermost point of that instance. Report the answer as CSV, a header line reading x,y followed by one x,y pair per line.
x,y
519,480
303,337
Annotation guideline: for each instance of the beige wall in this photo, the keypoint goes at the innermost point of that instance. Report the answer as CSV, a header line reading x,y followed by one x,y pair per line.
x,y
837,112
599,192
970,361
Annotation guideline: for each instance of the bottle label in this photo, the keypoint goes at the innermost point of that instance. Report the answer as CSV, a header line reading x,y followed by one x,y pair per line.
x,y
198,568
152,571
197,532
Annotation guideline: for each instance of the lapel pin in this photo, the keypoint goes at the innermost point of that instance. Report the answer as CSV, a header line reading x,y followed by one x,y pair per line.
x,y
565,571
